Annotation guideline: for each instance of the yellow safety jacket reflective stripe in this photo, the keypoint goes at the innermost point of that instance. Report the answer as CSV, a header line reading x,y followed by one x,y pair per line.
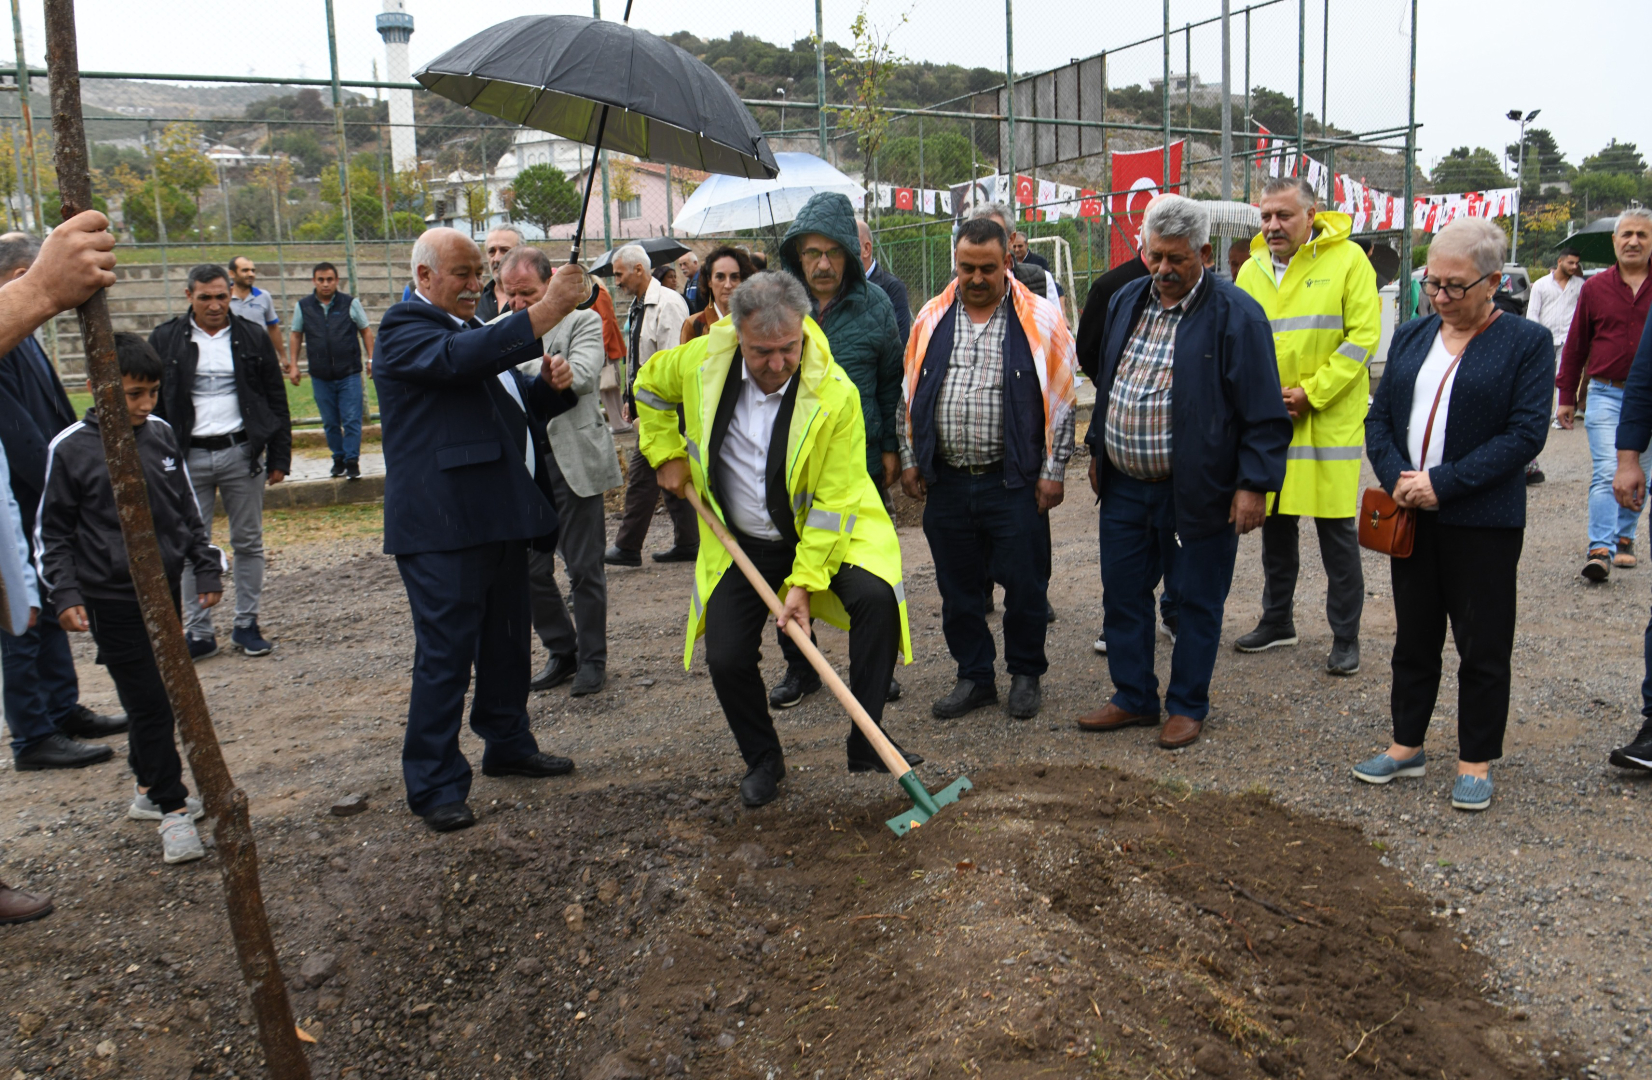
x,y
1327,321
839,514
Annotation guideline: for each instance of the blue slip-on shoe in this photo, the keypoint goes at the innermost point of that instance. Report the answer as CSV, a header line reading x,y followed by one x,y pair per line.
x,y
1471,792
1382,768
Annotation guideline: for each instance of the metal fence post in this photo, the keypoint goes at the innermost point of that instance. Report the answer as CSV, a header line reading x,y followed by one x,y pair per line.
x,y
1250,159
1164,100
1407,308
1227,103
343,154
1301,80
1009,92
160,218
820,79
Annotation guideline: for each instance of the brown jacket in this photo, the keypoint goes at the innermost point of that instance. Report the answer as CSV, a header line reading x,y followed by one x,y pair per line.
x,y
700,324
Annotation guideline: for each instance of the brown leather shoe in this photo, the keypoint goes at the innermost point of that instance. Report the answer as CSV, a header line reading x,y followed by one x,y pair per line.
x,y
1110,718
18,907
1180,731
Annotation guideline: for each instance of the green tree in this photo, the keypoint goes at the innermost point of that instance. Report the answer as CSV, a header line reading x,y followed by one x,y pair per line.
x,y
138,209
1270,108
544,197
864,70
1545,164
1597,193
1469,170
180,164
946,160
1621,159
314,157
51,206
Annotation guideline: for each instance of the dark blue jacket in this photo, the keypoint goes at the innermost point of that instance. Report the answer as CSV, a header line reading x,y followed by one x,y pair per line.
x,y
453,440
894,288
1635,419
1023,400
33,409
332,344
1497,422
1228,424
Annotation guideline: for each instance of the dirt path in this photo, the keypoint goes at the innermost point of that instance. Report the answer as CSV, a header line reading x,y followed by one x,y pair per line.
x,y
460,956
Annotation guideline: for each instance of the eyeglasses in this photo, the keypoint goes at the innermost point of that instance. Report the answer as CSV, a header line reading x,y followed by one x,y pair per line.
x,y
814,255
1433,287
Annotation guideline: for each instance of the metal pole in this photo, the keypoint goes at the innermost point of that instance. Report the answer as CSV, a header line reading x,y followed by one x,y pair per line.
x,y
607,202
1520,190
237,852
1250,161
223,196
1164,95
275,203
1227,104
669,230
343,155
924,233
160,218
1009,96
1406,308
1324,111
1107,184
1301,79
1187,70
27,112
820,77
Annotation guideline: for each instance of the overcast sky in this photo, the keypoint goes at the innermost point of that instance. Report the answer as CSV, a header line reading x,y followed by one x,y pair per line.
x,y
1475,61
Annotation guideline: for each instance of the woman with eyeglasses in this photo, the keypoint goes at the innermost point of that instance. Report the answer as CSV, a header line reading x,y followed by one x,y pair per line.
x,y
1461,409
720,274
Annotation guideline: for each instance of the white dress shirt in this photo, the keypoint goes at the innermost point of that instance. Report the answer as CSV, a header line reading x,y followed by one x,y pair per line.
x,y
744,457
1552,305
217,406
1422,400
507,379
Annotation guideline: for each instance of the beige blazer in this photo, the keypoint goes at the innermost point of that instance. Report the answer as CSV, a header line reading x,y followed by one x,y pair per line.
x,y
580,440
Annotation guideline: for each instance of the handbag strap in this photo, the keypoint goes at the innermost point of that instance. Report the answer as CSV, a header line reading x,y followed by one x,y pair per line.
x,y
1428,432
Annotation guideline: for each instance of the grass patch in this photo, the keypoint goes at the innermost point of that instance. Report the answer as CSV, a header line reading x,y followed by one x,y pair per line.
x,y
300,400
313,525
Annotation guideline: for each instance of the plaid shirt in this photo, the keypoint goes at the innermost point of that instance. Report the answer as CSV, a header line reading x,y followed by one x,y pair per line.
x,y
1138,410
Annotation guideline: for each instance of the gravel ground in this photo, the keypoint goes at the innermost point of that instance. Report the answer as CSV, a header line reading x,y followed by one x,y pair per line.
x,y
1550,884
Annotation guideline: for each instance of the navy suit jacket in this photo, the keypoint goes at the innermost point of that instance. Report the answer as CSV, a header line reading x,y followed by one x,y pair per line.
x,y
33,409
1635,418
1497,422
454,476
1229,428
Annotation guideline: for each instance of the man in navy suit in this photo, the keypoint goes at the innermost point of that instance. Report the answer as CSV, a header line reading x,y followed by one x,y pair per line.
x,y
465,495
42,694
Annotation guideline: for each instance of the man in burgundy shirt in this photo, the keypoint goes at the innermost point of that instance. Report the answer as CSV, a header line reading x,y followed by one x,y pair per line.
x,y
1606,328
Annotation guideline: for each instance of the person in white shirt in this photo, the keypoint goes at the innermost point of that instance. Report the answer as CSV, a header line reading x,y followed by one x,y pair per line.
x,y
1554,300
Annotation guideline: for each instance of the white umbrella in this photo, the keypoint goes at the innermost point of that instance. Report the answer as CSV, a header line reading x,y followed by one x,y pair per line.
x,y
726,204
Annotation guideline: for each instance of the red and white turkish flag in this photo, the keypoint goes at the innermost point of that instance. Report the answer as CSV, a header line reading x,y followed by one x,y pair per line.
x,y
1026,191
1137,177
1263,137
1088,205
905,198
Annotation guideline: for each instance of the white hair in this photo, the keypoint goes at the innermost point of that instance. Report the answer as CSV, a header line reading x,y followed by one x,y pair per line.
x,y
998,212
1178,217
1477,239
425,254
512,229
768,302
630,255
1639,213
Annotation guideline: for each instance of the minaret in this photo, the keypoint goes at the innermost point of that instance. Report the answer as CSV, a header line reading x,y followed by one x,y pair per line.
x,y
396,28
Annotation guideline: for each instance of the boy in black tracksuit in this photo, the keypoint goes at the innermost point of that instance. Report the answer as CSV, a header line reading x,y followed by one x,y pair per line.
x,y
82,563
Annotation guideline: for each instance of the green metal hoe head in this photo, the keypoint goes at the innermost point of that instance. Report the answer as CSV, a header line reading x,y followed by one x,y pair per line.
x,y
925,805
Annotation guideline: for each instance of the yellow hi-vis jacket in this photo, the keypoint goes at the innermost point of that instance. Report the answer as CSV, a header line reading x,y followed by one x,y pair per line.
x,y
1327,321
840,515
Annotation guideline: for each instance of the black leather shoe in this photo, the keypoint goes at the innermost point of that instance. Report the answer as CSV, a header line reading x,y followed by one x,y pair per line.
x,y
535,765
450,817
677,553
1025,697
83,723
557,670
590,680
966,697
762,782
894,693
796,686
1049,612
865,759
618,556
61,752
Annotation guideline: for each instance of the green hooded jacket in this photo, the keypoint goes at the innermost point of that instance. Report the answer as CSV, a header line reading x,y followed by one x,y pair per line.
x,y
859,323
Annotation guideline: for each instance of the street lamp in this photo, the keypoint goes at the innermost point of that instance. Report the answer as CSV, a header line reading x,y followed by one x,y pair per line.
x,y
1520,176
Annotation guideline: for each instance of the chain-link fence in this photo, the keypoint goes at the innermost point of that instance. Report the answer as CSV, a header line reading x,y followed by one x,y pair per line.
x,y
197,168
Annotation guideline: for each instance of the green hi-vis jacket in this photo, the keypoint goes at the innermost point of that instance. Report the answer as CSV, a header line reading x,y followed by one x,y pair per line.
x,y
839,515
1327,321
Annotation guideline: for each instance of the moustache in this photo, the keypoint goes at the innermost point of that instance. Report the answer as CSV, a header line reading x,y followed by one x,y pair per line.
x,y
467,295
1167,277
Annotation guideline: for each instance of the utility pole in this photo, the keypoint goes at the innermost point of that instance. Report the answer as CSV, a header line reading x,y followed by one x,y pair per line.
x,y
1407,308
1520,176
1009,93
1227,104
343,155
820,78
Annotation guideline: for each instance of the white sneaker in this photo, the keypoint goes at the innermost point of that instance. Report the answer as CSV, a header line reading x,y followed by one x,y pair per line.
x,y
144,809
1101,643
179,840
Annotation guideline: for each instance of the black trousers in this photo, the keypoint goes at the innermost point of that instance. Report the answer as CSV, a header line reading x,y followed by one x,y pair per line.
x,y
735,621
151,748
1467,577
1344,577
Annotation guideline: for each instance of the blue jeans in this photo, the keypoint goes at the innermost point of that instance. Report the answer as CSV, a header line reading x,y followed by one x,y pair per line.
x,y
1137,518
1607,520
339,402
974,522
40,687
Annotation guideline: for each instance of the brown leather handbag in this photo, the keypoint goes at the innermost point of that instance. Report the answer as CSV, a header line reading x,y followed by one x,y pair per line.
x,y
1385,525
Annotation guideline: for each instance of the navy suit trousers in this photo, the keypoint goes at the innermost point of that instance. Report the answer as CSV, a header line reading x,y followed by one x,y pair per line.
x,y
470,611
1138,521
41,688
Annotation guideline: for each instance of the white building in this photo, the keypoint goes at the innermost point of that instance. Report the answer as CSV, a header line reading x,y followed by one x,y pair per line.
x,y
540,148
395,26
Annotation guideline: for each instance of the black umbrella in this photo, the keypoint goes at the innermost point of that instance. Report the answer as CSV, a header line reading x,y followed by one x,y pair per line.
x,y
1593,242
661,250
604,83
